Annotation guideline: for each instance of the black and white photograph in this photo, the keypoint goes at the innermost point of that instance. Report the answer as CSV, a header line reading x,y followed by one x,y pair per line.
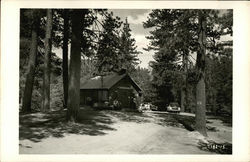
x,y
125,81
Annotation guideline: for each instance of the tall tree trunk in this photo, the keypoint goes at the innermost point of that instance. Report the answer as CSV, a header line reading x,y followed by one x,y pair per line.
x,y
200,114
214,103
184,87
47,55
27,96
186,82
65,55
75,66
183,99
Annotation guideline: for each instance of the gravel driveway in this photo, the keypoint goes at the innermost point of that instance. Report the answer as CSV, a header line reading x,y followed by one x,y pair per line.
x,y
108,132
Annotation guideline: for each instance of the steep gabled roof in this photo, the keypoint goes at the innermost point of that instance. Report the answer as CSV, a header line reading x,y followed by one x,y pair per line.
x,y
108,81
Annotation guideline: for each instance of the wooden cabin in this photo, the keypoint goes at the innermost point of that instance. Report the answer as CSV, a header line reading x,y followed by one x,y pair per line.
x,y
115,86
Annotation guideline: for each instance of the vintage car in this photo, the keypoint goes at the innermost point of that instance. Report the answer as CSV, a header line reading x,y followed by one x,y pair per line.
x,y
147,107
173,107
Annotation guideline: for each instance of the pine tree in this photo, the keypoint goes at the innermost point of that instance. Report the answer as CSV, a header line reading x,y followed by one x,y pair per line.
x,y
183,32
117,49
108,49
128,50
200,112
47,60
65,54
26,107
78,16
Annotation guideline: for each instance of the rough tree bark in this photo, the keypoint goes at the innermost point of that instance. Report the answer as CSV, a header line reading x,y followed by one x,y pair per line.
x,y
47,56
184,86
75,65
183,99
27,96
200,113
65,55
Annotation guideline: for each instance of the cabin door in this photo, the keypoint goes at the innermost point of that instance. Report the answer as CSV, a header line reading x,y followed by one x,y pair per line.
x,y
125,96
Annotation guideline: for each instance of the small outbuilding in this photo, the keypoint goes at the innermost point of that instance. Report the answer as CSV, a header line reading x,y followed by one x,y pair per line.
x,y
107,89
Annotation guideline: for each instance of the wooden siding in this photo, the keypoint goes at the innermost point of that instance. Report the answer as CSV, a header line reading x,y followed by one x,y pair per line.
x,y
124,91
95,94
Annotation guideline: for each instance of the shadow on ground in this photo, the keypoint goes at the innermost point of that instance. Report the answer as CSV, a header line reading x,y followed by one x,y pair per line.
x,y
167,120
226,120
38,126
156,118
130,116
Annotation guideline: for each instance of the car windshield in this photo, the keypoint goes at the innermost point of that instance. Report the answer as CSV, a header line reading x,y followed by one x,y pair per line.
x,y
174,104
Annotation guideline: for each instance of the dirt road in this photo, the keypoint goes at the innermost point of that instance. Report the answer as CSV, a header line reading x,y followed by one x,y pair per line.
x,y
115,133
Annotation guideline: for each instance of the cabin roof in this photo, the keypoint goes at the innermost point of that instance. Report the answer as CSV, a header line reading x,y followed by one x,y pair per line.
x,y
108,81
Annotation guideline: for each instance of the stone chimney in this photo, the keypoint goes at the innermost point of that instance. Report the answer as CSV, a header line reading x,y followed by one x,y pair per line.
x,y
122,71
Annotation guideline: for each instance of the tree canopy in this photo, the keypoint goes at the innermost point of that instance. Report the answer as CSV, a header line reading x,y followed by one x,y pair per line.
x,y
192,35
